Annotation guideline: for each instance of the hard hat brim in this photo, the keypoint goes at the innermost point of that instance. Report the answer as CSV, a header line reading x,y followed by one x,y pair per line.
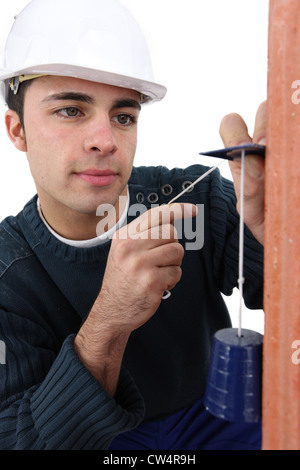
x,y
151,91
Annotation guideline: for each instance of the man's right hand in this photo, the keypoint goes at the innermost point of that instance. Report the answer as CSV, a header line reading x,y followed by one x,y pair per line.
x,y
144,261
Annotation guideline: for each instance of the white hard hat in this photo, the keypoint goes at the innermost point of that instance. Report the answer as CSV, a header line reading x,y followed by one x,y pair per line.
x,y
95,40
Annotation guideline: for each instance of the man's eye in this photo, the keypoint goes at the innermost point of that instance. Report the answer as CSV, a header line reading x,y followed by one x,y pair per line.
x,y
125,119
68,112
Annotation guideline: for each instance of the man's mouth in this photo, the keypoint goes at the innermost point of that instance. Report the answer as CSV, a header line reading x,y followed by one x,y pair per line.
x,y
96,177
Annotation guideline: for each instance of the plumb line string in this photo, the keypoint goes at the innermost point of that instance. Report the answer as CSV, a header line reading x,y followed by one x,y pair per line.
x,y
241,242
241,232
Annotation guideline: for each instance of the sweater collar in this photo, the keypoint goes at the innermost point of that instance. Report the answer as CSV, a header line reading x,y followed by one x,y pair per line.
x,y
97,241
40,238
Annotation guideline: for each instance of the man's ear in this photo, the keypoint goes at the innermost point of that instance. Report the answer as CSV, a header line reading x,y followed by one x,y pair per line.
x,y
15,131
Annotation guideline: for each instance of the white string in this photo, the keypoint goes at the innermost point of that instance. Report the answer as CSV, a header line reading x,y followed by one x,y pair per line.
x,y
241,279
195,182
241,243
167,293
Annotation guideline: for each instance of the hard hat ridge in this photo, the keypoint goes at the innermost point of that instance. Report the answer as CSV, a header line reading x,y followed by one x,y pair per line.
x,y
97,40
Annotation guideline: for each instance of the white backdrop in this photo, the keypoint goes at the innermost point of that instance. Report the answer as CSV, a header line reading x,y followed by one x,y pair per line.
x,y
212,57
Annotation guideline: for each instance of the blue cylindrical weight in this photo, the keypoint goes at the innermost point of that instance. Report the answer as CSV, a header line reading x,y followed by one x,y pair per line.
x,y
233,390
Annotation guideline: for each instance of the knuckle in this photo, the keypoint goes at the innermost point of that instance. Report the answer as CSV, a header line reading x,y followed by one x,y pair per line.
x,y
150,281
174,253
120,249
179,250
175,273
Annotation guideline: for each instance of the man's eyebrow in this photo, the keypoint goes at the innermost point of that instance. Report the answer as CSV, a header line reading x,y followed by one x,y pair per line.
x,y
84,98
69,95
126,103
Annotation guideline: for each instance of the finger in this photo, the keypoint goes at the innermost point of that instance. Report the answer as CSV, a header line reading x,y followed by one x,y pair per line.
x,y
170,255
165,214
259,134
168,277
159,234
234,131
254,164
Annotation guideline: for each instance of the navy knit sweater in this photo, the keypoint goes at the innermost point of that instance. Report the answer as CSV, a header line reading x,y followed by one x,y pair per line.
x,y
47,288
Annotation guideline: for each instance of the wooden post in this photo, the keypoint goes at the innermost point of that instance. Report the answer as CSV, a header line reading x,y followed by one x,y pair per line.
x,y
281,363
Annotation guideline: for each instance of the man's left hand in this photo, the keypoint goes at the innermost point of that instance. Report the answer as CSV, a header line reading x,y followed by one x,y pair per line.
x,y
234,131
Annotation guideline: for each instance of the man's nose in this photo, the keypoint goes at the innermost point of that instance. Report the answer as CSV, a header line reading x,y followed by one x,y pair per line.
x,y
100,137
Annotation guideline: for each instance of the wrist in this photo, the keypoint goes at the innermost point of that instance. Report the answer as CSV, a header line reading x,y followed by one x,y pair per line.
x,y
101,352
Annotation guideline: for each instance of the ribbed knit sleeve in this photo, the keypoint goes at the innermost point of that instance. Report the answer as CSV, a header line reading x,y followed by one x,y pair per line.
x,y
48,399
69,410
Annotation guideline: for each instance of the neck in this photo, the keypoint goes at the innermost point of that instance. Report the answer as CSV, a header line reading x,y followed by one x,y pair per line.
x,y
80,226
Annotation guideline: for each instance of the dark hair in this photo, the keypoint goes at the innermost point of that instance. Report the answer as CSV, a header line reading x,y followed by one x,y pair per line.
x,y
16,102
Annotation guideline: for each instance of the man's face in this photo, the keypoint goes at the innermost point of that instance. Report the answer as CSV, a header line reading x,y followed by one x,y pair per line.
x,y
81,140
